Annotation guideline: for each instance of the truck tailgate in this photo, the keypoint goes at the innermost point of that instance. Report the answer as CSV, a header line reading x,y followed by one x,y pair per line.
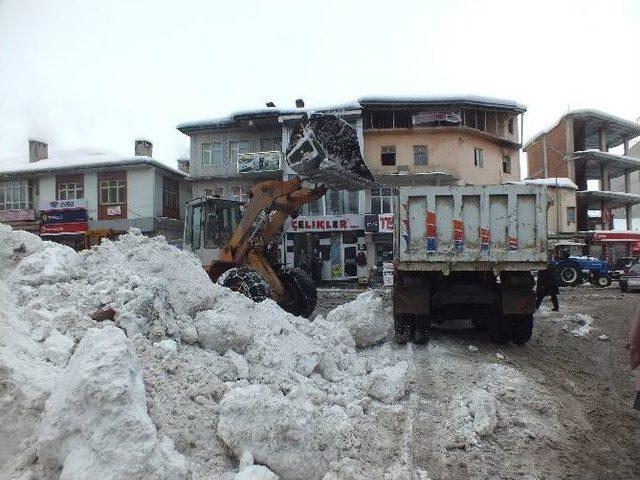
x,y
488,227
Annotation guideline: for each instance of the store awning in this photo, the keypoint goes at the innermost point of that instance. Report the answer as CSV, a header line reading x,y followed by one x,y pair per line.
x,y
595,198
593,160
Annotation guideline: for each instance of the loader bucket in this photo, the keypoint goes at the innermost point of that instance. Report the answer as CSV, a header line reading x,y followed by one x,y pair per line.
x,y
324,149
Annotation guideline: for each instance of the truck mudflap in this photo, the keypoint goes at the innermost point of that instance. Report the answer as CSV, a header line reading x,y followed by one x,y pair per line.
x,y
517,301
412,299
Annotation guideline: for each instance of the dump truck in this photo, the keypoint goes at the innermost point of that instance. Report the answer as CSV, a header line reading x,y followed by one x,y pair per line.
x,y
237,243
468,252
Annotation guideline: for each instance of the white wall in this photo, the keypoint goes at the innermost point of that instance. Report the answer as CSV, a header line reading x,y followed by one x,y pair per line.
x,y
47,189
91,194
141,193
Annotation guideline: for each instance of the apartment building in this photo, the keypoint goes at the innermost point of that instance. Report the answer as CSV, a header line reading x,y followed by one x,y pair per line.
x,y
67,196
431,140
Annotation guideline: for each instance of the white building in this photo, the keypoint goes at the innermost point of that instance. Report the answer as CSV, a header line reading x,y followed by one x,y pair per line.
x,y
89,190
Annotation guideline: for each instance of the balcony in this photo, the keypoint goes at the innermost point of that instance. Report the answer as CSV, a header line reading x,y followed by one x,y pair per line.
x,y
260,164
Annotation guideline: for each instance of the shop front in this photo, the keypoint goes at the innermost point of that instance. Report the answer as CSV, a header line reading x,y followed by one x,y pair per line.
x,y
329,247
379,237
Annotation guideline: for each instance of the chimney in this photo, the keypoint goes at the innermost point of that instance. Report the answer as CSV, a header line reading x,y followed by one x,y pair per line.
x,y
38,150
299,103
271,105
143,147
184,165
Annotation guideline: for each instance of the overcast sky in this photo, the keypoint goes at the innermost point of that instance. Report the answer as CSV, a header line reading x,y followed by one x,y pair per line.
x,y
98,73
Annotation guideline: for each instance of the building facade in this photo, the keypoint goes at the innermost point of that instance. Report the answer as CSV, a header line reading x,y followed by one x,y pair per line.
x,y
405,141
70,196
577,146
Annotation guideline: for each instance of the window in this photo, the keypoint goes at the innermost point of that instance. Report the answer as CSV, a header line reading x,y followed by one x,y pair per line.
x,y
270,144
506,164
15,195
170,194
236,148
112,192
213,192
313,208
240,194
381,200
339,202
420,155
478,157
388,155
510,124
212,154
70,191
571,215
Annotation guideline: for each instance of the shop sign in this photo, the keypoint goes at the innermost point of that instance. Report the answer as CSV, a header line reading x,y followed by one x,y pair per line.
x,y
386,222
426,118
17,215
115,210
387,274
327,223
58,205
378,223
336,256
259,162
63,228
63,217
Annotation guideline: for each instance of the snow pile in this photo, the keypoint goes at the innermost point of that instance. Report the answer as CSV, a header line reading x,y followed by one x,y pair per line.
x,y
95,423
184,378
578,324
364,318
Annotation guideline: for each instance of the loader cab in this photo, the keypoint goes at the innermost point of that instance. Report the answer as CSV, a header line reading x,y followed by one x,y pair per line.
x,y
209,224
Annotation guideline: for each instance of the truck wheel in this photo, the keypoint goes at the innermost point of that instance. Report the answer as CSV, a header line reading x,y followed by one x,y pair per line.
x,y
499,328
302,292
522,328
402,326
421,333
603,281
569,273
246,281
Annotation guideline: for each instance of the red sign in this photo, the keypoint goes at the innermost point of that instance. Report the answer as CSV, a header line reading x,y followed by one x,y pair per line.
x,y
63,228
17,215
386,222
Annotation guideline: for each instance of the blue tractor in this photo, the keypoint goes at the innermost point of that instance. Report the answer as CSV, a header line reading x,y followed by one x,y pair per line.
x,y
576,269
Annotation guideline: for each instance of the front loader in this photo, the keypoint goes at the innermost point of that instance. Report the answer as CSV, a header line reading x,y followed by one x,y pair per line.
x,y
236,247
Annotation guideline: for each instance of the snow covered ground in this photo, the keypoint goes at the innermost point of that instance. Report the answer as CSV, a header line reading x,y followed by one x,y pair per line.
x,y
188,380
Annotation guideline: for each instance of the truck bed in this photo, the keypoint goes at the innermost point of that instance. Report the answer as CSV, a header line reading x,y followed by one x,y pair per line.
x,y
471,228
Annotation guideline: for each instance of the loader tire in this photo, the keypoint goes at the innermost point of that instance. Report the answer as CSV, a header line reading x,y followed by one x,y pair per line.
x,y
522,328
246,281
499,329
302,291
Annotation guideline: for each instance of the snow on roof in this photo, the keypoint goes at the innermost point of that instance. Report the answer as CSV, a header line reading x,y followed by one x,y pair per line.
x,y
267,112
77,159
616,124
560,182
476,100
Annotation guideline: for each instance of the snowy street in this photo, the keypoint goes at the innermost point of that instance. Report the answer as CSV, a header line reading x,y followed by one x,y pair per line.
x,y
562,402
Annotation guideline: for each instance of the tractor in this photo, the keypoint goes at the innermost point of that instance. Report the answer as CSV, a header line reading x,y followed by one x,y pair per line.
x,y
576,269
236,242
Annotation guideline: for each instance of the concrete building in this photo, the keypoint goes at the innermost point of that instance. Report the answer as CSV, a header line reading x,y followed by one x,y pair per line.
x,y
405,141
67,195
577,146
434,141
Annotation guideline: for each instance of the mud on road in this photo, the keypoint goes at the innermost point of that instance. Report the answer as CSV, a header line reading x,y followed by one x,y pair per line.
x,y
561,404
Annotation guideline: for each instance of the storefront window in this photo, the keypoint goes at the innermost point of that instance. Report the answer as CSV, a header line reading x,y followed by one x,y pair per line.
x,y
339,202
313,208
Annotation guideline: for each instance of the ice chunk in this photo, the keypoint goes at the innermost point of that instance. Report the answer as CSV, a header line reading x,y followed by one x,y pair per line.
x,y
483,409
256,472
364,318
389,384
58,348
223,332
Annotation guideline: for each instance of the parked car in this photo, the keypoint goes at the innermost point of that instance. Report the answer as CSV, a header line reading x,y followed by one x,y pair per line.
x,y
622,265
630,280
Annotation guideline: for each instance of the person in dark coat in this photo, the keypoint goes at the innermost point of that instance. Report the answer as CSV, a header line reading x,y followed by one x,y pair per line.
x,y
548,286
